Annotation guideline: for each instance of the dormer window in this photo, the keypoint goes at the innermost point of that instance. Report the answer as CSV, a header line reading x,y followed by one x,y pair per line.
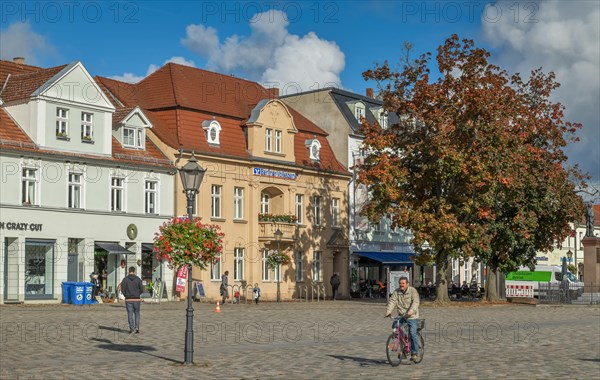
x,y
314,148
359,111
383,119
133,137
212,128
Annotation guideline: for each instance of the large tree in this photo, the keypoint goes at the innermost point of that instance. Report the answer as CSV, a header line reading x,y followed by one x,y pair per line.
x,y
474,166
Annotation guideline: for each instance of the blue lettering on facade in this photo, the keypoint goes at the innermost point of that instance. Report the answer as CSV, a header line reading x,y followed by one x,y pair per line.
x,y
274,173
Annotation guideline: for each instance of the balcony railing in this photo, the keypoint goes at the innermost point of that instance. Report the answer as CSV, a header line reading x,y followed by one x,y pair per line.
x,y
266,230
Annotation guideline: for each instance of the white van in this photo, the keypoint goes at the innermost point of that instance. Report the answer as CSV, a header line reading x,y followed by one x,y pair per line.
x,y
544,277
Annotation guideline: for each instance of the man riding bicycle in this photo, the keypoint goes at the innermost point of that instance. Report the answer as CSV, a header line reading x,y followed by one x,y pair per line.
x,y
406,301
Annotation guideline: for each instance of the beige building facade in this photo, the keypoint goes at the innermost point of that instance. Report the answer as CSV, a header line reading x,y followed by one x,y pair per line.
x,y
268,168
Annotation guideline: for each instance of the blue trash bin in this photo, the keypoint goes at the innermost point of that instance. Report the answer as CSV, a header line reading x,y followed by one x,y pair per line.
x,y
78,293
66,291
89,293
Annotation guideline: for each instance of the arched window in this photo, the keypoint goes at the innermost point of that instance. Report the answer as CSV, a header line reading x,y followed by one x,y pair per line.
x,y
212,128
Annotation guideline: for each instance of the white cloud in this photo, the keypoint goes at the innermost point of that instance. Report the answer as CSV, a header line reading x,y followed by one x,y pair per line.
x,y
132,78
270,54
563,37
19,40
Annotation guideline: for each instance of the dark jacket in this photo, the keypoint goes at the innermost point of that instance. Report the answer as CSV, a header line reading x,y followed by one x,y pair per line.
x,y
335,281
132,287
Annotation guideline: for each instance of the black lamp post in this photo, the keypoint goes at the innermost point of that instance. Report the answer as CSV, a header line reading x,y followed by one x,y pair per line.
x,y
570,256
191,177
278,235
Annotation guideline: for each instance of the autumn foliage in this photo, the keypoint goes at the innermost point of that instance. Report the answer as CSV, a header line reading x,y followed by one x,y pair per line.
x,y
474,165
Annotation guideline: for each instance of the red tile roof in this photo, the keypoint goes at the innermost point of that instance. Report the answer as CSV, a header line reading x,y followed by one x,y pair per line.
x,y
12,68
22,86
179,98
11,135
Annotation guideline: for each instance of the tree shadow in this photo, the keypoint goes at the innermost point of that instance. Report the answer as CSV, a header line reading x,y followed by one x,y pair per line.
x,y
124,347
363,362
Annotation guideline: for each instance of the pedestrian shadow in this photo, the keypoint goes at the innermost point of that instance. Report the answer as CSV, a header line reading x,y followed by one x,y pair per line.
x,y
363,362
590,360
112,328
124,347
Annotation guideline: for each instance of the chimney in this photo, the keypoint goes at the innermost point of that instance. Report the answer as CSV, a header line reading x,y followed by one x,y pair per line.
x,y
370,93
19,60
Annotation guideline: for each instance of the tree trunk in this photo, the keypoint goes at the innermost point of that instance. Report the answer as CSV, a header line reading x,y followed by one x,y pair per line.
x,y
441,263
491,283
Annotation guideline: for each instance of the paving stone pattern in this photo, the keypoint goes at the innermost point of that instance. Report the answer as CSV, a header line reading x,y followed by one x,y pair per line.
x,y
325,340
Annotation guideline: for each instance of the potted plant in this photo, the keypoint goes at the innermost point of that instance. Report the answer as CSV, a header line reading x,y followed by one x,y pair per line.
x,y
86,138
150,287
61,134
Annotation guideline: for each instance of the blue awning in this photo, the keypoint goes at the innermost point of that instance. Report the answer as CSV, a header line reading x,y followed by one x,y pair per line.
x,y
388,257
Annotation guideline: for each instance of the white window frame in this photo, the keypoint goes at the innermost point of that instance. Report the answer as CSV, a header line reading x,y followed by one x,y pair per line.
x,y
268,139
71,187
62,121
278,135
266,271
238,203
116,189
383,119
299,208
215,203
265,203
215,269
317,210
456,271
238,264
359,111
135,138
26,181
317,266
335,212
87,126
150,193
211,127
277,273
299,266
467,272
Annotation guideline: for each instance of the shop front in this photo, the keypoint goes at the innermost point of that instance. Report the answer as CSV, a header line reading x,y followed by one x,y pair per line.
x,y
370,269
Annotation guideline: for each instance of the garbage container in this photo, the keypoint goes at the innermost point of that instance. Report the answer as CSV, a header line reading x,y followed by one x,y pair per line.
x,y
89,293
66,291
78,293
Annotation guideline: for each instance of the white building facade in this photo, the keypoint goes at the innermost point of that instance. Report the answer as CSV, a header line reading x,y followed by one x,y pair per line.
x,y
82,188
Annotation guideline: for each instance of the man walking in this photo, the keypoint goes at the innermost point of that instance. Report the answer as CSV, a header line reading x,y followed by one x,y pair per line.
x,y
132,288
406,301
335,283
224,290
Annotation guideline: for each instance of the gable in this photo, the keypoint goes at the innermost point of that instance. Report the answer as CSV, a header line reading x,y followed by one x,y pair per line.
x,y
74,84
136,120
272,113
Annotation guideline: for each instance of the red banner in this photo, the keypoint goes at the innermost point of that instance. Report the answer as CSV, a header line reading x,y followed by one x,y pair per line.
x,y
181,278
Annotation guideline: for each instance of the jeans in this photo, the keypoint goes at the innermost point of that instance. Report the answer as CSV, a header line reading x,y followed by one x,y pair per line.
x,y
133,314
412,329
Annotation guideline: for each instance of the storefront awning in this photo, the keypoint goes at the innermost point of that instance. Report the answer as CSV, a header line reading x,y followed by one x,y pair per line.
x,y
147,246
388,257
113,248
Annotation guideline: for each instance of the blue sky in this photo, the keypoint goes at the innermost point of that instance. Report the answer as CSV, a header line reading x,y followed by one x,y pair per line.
x,y
314,44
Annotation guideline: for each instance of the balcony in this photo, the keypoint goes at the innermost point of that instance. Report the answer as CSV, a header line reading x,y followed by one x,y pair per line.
x,y
266,231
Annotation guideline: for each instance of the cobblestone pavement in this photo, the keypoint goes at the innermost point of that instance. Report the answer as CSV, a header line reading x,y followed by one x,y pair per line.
x,y
342,339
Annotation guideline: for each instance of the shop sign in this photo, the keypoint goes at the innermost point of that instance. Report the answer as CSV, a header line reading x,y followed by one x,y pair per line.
x,y
12,226
274,173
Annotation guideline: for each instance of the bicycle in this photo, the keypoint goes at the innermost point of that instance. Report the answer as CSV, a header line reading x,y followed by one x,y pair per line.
x,y
398,343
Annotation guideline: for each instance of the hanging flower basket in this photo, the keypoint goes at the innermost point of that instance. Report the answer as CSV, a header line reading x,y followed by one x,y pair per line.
x,y
181,241
275,257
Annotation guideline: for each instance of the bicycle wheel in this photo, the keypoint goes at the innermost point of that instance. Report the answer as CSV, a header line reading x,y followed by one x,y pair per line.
x,y
421,348
393,350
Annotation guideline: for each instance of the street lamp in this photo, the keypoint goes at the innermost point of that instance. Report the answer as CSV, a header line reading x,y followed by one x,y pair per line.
x,y
191,177
570,256
278,235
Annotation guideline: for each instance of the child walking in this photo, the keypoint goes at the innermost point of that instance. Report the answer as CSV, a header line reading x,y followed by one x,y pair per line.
x,y
256,292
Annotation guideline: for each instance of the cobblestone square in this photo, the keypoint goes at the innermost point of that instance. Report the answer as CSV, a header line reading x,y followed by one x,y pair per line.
x,y
342,339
